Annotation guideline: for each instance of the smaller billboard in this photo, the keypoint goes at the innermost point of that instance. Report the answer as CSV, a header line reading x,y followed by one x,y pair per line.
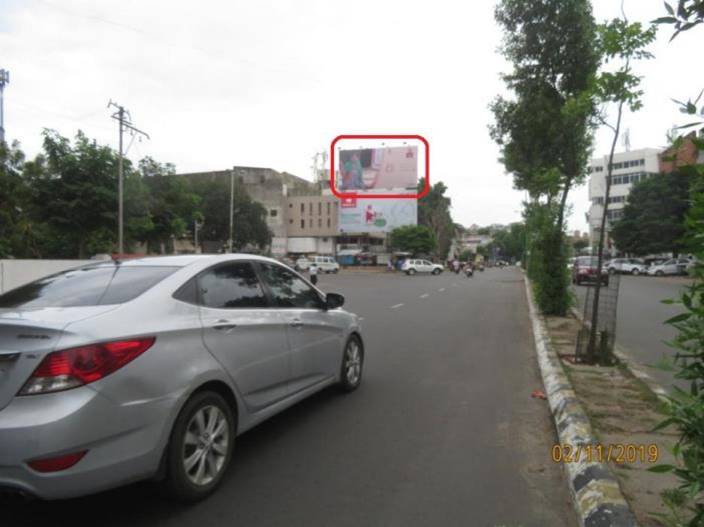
x,y
385,168
374,215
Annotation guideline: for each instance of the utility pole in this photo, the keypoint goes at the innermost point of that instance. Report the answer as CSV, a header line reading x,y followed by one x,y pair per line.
x,y
4,79
124,119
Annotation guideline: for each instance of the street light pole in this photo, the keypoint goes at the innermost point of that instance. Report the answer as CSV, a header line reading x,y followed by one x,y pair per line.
x,y
4,79
232,208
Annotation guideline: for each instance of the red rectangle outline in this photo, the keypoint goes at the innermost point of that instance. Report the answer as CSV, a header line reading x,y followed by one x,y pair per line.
x,y
334,190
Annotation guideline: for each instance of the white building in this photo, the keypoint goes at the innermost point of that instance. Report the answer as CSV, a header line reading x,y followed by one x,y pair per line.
x,y
628,168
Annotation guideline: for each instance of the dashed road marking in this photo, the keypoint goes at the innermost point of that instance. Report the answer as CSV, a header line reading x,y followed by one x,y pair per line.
x,y
441,289
425,295
396,306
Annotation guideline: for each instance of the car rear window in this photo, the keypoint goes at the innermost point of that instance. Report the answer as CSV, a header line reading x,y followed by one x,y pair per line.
x,y
87,286
587,260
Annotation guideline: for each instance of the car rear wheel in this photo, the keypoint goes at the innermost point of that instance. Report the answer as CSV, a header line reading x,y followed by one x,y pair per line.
x,y
612,270
635,272
200,447
436,271
352,362
659,273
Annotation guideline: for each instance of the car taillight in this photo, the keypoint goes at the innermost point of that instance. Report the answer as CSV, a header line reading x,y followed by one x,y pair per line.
x,y
66,369
54,464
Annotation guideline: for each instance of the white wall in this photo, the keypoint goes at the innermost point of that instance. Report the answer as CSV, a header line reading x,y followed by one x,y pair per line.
x,y
14,273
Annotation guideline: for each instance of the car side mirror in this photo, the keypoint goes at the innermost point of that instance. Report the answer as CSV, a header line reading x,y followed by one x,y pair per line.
x,y
334,300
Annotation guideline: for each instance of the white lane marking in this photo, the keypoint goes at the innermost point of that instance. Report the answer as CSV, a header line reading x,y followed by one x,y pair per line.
x,y
425,295
361,318
441,289
397,305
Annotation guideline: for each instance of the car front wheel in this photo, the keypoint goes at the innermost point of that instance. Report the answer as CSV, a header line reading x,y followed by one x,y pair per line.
x,y
659,273
635,272
352,362
411,272
200,447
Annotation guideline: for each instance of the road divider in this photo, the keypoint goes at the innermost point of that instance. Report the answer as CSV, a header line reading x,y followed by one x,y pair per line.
x,y
596,494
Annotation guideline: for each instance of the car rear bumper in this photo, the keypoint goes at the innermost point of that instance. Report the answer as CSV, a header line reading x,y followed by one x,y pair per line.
x,y
124,442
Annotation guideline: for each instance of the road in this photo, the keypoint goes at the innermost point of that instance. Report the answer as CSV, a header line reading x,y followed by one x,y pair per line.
x,y
443,430
640,331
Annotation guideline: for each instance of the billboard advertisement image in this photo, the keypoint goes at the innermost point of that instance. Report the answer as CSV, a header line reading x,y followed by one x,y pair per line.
x,y
375,215
378,168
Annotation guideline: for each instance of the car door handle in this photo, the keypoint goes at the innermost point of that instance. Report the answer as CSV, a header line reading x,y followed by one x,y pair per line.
x,y
296,323
224,324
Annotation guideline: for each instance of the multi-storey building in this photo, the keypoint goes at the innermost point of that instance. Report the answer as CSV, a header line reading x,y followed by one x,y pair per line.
x,y
311,224
628,168
271,189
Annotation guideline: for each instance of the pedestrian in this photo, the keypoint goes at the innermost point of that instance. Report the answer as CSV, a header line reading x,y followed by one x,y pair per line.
x,y
313,272
389,265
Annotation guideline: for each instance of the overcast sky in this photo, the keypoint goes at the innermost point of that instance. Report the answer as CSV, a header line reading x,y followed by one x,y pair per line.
x,y
269,83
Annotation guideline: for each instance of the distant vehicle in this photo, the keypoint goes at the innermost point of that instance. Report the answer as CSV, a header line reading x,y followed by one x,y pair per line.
x,y
584,270
326,264
634,266
673,266
413,266
302,264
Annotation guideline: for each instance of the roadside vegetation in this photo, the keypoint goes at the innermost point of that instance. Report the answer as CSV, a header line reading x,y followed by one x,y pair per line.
x,y
63,203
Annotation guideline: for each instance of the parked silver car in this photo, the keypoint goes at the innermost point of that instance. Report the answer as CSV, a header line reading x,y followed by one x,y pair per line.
x,y
673,266
634,266
117,372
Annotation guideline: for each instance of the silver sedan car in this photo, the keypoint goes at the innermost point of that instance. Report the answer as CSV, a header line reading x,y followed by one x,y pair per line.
x,y
122,371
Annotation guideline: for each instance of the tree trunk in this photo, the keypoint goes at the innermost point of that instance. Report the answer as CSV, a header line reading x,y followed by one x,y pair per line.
x,y
591,348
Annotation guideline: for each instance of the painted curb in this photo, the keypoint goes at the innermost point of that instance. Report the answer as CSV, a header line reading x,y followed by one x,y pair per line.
x,y
595,490
636,369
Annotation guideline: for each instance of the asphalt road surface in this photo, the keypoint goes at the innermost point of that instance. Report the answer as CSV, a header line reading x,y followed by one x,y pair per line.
x,y
443,430
640,331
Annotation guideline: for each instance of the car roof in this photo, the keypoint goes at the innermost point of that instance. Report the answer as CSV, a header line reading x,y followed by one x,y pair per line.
x,y
182,260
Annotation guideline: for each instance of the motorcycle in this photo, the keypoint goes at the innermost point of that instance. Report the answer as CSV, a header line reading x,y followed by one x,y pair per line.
x,y
469,271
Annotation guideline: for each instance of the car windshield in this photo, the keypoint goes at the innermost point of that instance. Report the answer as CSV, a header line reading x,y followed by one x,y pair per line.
x,y
86,286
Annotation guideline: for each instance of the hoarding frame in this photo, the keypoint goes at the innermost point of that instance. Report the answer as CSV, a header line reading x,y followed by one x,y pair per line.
x,y
357,195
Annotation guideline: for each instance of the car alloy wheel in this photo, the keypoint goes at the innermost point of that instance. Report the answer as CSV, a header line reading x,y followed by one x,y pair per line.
x,y
635,272
436,271
200,447
411,271
205,446
352,361
659,273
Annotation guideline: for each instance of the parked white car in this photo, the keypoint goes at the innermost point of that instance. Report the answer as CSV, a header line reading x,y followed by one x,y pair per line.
x,y
326,264
413,266
634,266
673,266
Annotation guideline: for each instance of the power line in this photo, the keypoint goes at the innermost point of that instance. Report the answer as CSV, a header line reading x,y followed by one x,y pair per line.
x,y
123,117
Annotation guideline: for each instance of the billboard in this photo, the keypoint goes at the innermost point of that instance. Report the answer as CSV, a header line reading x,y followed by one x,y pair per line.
x,y
383,168
375,215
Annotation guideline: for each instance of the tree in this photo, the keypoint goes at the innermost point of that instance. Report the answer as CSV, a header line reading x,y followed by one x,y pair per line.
x,y
511,242
16,233
74,194
250,226
689,14
545,131
624,42
172,204
434,213
580,244
415,239
653,218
